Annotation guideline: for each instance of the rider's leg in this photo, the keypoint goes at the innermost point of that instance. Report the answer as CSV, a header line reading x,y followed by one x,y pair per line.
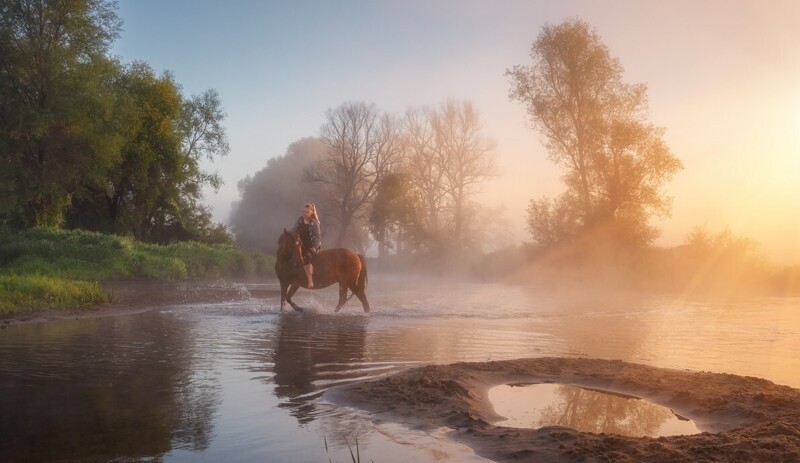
x,y
309,271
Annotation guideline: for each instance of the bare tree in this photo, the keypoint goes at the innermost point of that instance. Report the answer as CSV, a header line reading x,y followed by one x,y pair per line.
x,y
463,155
446,159
363,145
423,164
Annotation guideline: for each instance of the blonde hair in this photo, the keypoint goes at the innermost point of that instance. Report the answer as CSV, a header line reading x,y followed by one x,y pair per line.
x,y
313,211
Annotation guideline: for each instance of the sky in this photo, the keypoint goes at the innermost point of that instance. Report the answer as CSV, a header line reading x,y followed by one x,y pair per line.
x,y
723,79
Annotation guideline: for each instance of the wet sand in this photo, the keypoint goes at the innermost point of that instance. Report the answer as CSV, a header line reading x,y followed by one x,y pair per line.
x,y
744,418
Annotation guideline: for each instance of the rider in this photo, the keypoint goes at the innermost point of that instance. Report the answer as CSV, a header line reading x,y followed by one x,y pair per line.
x,y
307,228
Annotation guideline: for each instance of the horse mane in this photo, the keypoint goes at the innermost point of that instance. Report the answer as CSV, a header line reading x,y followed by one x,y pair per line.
x,y
284,241
282,238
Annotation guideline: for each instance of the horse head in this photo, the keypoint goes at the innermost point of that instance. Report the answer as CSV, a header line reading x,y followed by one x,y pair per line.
x,y
290,248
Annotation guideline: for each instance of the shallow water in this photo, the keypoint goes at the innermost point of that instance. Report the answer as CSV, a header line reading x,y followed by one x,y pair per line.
x,y
538,405
242,382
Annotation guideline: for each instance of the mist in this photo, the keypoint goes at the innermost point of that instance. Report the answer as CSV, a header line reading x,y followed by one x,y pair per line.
x,y
273,197
720,80
518,207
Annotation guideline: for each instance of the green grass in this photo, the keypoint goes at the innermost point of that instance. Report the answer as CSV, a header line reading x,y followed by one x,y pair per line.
x,y
54,268
27,293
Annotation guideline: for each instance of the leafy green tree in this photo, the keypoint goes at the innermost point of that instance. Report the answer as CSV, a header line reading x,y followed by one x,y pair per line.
x,y
203,136
181,214
155,191
130,197
58,127
595,126
394,217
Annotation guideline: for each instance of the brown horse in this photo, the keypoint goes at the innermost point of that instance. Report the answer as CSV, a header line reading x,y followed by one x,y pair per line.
x,y
330,266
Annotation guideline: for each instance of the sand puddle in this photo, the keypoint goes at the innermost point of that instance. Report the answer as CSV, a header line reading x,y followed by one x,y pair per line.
x,y
585,410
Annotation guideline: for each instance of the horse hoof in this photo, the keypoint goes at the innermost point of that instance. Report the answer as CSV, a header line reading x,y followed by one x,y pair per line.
x,y
299,309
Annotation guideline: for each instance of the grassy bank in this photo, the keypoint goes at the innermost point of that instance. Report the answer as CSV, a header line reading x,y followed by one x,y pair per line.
x,y
23,293
42,268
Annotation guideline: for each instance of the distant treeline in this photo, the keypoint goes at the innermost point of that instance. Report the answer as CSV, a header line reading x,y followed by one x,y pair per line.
x,y
705,264
407,181
87,141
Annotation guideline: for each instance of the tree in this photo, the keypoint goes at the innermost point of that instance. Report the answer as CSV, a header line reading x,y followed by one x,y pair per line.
x,y
463,155
552,221
58,130
155,189
363,145
202,136
423,163
395,212
446,159
595,127
151,157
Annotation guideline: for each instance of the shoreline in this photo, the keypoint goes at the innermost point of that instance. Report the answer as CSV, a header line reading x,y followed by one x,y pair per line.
x,y
743,418
136,296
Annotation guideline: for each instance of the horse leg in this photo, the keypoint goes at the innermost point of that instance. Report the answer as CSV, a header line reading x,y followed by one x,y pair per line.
x,y
362,296
293,289
342,297
284,287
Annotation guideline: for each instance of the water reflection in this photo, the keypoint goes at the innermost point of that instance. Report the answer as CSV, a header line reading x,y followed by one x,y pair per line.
x,y
534,406
300,357
313,353
103,388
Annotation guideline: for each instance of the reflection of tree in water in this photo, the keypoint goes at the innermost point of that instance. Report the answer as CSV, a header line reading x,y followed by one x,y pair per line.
x,y
104,388
597,412
312,354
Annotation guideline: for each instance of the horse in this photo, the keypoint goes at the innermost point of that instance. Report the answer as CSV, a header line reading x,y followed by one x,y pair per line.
x,y
331,266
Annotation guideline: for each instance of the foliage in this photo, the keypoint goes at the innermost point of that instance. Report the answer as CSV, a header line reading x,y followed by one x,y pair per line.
x,y
552,221
58,127
721,260
87,142
94,256
706,264
394,212
24,293
63,259
595,128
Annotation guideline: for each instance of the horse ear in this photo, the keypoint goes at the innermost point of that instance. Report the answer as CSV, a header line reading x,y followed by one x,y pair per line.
x,y
284,230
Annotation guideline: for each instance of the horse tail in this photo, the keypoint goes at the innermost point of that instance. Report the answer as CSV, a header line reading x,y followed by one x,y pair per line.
x,y
362,276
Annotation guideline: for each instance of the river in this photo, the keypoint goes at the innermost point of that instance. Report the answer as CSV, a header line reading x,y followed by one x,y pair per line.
x,y
240,381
